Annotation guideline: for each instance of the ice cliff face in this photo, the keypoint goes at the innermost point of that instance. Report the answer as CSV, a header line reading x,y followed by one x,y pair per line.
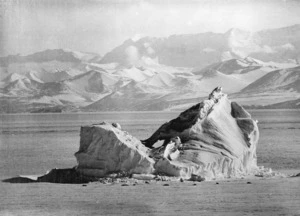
x,y
106,149
218,140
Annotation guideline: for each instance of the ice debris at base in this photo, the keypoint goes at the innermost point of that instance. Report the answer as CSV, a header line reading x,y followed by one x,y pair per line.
x,y
218,140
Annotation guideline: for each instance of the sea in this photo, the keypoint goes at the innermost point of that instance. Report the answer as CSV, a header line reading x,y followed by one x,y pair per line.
x,y
34,143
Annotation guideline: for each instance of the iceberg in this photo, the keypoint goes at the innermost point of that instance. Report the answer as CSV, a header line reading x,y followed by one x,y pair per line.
x,y
213,139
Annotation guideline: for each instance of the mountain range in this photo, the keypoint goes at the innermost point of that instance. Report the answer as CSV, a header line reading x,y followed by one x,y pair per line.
x,y
256,69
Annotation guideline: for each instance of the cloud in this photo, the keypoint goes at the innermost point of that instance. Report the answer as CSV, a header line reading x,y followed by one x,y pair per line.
x,y
132,54
100,25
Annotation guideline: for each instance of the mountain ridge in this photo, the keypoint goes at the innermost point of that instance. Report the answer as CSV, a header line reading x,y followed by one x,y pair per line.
x,y
157,73
200,50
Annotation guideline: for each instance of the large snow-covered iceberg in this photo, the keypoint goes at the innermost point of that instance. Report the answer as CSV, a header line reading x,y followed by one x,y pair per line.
x,y
214,139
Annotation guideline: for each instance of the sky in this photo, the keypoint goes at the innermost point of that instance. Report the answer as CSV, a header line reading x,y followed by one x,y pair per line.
x,y
98,26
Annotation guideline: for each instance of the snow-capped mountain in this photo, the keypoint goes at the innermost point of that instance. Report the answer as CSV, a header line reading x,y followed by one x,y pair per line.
x,y
203,49
279,80
62,55
166,89
21,87
258,68
275,87
236,66
57,60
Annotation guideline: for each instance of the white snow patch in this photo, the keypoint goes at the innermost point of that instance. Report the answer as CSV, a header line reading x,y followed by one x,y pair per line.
x,y
13,77
208,49
288,46
162,79
137,37
134,73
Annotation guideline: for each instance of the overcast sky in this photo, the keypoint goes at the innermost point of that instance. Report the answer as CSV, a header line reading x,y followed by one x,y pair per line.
x,y
27,26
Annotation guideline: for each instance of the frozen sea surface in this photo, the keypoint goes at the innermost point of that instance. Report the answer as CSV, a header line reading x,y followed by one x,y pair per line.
x,y
33,144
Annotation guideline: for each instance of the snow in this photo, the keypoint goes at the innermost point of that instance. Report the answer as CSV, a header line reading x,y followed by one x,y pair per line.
x,y
109,79
107,67
33,75
47,100
220,144
105,149
164,83
281,65
83,81
226,81
208,49
137,37
248,78
134,73
45,76
162,79
149,61
13,77
276,81
20,87
155,68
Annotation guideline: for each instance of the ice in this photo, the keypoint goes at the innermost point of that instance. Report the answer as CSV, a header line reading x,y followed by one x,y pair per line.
x,y
219,140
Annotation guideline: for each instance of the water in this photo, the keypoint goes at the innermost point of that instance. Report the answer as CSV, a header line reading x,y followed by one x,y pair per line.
x,y
35,143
